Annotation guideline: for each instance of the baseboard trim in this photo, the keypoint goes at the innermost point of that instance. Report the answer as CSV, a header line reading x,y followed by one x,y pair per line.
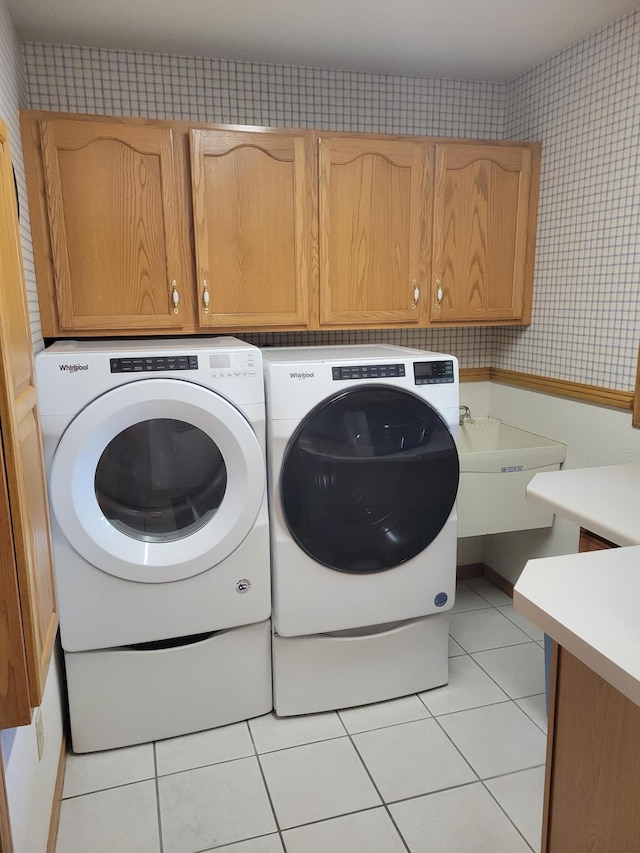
x,y
57,797
499,581
471,570
480,570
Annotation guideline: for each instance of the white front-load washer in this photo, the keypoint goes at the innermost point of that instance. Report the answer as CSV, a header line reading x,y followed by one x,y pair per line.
x,y
363,474
157,482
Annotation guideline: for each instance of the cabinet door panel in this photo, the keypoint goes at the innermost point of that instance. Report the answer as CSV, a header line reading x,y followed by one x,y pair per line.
x,y
112,203
480,232
373,249
254,227
23,493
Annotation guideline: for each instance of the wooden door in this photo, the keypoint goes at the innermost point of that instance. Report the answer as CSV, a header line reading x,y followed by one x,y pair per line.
x,y
26,544
483,233
114,223
255,226
374,249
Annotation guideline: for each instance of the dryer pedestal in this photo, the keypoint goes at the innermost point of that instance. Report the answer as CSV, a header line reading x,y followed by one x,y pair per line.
x,y
124,696
327,672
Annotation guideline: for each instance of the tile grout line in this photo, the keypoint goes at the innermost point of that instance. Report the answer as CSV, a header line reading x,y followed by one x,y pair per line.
x,y
378,792
157,786
505,813
266,787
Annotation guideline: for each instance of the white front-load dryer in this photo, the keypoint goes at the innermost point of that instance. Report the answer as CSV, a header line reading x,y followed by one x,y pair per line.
x,y
363,474
157,481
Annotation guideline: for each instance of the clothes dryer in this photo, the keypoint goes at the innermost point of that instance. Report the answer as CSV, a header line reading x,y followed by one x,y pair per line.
x,y
155,456
363,473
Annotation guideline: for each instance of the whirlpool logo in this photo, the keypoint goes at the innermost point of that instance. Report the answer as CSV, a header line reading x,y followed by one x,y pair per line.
x,y
73,368
295,375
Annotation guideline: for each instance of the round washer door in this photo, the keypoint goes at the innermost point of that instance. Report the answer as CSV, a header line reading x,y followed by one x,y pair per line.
x,y
157,480
369,479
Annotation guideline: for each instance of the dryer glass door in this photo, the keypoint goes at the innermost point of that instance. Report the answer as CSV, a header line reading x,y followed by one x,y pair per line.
x,y
369,479
160,479
157,480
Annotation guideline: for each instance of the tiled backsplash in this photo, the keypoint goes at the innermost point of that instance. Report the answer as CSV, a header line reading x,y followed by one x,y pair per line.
x,y
583,104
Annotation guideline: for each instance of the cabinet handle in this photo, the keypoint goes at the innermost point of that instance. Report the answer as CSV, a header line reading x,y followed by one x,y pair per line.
x,y
175,296
416,293
205,295
439,293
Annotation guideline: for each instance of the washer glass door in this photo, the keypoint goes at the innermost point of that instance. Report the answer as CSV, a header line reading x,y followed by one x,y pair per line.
x,y
157,480
369,479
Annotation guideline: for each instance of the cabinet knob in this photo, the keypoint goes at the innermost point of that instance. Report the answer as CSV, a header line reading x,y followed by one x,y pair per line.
x,y
175,296
205,295
416,293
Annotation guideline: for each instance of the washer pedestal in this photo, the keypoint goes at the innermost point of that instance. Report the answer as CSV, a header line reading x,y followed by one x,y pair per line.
x,y
124,696
326,672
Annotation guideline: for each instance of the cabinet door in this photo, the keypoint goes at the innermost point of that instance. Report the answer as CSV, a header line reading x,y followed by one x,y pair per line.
x,y
482,233
254,225
112,203
26,544
374,252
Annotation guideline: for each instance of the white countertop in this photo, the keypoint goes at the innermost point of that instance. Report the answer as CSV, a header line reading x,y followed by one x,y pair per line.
x,y
605,500
590,604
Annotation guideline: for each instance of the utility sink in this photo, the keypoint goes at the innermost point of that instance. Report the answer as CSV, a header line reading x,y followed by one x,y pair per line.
x,y
496,463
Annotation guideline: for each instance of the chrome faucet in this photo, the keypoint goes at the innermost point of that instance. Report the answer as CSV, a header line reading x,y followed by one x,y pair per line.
x,y
465,414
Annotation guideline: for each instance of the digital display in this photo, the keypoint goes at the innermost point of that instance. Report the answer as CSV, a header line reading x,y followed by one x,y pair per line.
x,y
433,372
423,368
220,359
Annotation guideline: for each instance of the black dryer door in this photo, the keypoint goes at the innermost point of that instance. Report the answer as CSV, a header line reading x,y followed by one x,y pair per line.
x,y
369,478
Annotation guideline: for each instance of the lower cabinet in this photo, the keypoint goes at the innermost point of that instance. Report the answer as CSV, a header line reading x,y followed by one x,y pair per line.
x,y
593,764
593,757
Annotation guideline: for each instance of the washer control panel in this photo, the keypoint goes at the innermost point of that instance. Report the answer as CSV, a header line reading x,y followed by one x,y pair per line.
x,y
153,363
433,372
367,371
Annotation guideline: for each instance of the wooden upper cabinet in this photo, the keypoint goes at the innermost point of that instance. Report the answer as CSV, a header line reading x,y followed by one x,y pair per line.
x,y
111,196
28,617
254,226
374,200
484,232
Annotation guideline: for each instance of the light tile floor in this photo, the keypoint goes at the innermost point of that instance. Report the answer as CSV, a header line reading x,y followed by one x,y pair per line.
x,y
453,770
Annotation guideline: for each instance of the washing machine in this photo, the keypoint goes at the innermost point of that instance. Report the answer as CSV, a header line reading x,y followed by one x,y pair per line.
x,y
155,453
363,475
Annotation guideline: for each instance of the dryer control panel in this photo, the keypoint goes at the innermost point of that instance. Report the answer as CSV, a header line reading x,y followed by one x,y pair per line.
x,y
367,371
433,372
154,363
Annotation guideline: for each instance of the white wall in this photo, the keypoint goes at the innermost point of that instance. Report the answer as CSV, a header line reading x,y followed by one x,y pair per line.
x,y
594,435
30,782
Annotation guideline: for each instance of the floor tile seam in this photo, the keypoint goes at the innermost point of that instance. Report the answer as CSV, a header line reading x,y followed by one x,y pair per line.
x,y
158,806
305,743
457,748
486,672
209,764
504,701
321,820
268,792
434,791
232,843
512,772
473,589
395,725
508,816
543,730
494,648
108,788
535,640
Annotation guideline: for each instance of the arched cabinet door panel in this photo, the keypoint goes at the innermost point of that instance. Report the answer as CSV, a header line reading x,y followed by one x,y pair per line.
x,y
374,249
483,232
254,225
115,225
369,479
